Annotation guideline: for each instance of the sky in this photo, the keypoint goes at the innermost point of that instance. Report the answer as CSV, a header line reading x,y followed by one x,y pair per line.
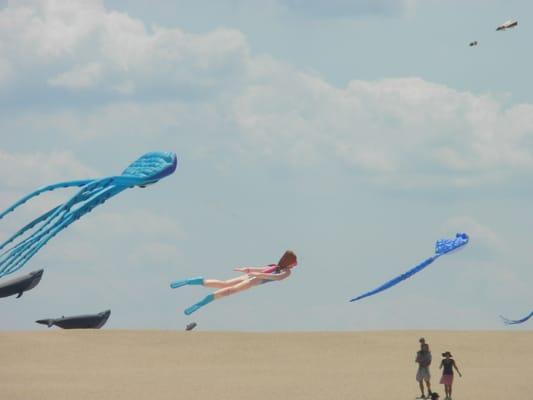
x,y
354,132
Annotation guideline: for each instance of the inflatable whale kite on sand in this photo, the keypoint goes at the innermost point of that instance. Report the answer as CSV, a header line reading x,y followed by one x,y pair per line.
x,y
146,170
87,321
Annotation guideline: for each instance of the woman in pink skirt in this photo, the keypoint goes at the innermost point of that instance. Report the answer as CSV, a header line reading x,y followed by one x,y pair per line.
x,y
447,365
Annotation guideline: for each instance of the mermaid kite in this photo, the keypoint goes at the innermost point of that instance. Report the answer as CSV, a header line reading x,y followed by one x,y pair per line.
x,y
253,276
146,170
443,246
517,321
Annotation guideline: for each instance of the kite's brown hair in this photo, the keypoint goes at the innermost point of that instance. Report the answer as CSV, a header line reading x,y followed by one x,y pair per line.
x,y
288,258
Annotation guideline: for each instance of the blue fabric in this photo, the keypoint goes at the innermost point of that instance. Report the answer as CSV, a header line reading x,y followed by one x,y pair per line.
x,y
190,281
195,281
178,284
443,246
517,321
146,170
206,300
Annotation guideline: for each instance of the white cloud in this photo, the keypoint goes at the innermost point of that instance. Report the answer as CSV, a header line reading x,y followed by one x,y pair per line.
x,y
81,45
30,170
395,129
404,132
479,233
79,77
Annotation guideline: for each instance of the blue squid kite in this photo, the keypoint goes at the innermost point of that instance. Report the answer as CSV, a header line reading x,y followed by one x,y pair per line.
x,y
443,246
517,321
146,170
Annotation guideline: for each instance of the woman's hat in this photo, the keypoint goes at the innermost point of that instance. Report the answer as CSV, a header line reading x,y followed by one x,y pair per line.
x,y
434,396
447,353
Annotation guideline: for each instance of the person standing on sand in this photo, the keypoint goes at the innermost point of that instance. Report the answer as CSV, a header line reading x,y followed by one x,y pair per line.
x,y
423,358
447,365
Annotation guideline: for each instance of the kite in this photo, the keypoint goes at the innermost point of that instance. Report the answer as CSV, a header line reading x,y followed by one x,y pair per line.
x,y
146,170
518,321
507,25
253,276
190,326
86,321
443,246
21,284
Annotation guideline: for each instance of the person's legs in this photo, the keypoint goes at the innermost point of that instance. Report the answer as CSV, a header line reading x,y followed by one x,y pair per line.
x,y
421,374
421,384
212,283
217,284
428,386
239,287
447,391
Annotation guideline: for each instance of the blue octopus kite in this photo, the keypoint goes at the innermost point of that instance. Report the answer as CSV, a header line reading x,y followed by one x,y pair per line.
x,y
443,246
517,321
146,170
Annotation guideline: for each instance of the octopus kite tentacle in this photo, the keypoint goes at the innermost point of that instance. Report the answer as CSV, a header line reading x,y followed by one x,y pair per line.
x,y
517,321
443,246
146,170
42,190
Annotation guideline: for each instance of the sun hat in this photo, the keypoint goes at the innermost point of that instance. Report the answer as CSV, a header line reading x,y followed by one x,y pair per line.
x,y
447,353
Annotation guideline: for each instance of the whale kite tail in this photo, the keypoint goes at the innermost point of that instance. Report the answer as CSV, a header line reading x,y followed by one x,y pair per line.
x,y
49,322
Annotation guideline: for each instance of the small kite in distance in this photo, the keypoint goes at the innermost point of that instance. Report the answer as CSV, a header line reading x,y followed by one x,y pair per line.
x,y
474,43
507,25
517,321
443,246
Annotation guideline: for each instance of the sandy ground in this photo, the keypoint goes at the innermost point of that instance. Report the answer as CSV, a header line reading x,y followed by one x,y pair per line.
x,y
108,364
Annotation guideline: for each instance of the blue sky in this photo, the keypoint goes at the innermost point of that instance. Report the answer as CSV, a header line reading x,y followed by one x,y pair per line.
x,y
354,132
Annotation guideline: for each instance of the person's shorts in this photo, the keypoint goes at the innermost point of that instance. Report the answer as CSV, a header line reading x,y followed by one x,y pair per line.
x,y
423,374
446,379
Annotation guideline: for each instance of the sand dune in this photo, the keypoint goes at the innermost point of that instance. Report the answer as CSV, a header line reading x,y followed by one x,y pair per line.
x,y
132,365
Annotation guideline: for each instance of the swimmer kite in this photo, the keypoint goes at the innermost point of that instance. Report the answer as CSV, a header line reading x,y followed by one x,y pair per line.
x,y
443,246
518,321
253,276
146,170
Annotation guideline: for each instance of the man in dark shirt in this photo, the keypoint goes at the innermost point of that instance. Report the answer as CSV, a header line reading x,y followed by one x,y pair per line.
x,y
423,359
